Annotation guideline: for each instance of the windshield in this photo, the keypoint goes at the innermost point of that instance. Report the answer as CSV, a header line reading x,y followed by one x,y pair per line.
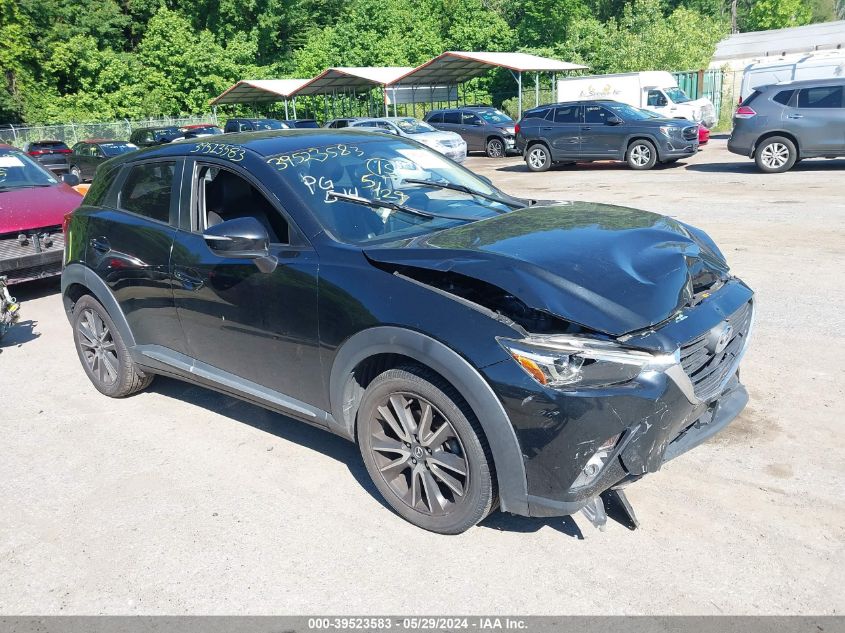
x,y
494,116
630,113
268,124
379,169
19,170
677,95
413,126
117,148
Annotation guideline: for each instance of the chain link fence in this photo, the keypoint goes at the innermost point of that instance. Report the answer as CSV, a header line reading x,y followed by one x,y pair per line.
x,y
72,133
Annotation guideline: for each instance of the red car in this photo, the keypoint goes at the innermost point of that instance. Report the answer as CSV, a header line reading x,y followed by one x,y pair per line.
x,y
703,135
33,204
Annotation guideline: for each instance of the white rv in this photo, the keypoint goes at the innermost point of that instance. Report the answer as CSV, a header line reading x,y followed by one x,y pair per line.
x,y
821,65
651,90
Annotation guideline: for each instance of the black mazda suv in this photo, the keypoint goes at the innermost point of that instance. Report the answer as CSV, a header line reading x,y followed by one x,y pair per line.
x,y
482,350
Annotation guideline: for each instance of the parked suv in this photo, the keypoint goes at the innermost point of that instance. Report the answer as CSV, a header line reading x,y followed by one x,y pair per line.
x,y
602,130
52,154
781,124
480,350
482,127
89,154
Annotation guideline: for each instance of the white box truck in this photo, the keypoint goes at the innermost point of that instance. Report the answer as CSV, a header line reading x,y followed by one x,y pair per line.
x,y
821,65
653,90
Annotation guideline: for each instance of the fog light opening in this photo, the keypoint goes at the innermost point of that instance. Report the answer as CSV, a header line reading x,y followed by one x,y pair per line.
x,y
595,465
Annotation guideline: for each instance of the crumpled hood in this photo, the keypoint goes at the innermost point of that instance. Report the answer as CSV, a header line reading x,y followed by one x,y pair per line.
x,y
35,207
611,269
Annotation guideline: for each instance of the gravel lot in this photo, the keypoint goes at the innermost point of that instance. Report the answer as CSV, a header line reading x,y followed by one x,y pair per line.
x,y
179,500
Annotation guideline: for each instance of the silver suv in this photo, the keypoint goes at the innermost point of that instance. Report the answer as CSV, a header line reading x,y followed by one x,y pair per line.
x,y
781,124
484,128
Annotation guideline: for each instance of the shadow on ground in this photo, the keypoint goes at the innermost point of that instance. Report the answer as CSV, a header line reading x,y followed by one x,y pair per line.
x,y
750,167
330,445
603,165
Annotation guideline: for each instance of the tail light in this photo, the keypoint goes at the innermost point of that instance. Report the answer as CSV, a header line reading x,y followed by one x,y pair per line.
x,y
64,151
37,152
66,223
516,129
744,112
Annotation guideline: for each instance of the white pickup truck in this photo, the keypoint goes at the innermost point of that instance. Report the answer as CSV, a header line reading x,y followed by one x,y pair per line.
x,y
651,90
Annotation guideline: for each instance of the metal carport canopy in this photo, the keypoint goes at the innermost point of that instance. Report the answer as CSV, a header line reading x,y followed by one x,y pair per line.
x,y
454,67
351,79
259,90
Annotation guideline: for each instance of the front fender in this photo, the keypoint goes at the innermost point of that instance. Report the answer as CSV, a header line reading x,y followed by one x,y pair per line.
x,y
510,469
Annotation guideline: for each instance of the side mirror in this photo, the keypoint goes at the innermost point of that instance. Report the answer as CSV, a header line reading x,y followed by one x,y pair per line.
x,y
70,179
241,237
613,120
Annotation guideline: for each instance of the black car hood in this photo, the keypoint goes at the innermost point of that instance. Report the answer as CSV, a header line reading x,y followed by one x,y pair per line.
x,y
610,269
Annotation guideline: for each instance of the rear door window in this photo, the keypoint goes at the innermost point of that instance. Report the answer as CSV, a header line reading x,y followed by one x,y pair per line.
x,y
568,114
452,117
147,190
820,97
437,117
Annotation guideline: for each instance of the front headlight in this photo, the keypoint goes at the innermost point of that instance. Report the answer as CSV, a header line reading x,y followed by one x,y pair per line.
x,y
563,361
668,130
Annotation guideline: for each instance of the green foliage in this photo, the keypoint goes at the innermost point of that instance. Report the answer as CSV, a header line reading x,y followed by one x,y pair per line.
x,y
643,39
777,14
75,60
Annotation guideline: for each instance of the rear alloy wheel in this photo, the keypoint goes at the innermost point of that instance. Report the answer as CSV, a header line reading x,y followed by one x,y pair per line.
x,y
103,353
641,155
422,447
495,148
75,171
538,158
775,155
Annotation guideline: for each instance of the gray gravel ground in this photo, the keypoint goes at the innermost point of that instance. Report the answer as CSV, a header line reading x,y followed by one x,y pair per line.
x,y
179,500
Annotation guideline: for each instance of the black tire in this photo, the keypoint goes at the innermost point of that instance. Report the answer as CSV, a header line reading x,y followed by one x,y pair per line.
x,y
776,154
538,158
495,148
392,411
641,155
103,353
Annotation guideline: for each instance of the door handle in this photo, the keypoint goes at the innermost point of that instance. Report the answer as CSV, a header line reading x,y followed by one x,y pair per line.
x,y
795,116
189,278
547,128
586,128
100,244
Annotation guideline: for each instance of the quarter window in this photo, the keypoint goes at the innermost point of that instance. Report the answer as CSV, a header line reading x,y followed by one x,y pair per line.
x,y
146,190
537,114
436,118
820,97
783,97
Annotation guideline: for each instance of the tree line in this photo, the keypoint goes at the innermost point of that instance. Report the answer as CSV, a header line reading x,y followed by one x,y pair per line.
x,y
88,60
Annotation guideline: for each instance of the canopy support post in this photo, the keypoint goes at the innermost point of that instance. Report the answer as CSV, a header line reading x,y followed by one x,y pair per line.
x,y
536,89
287,116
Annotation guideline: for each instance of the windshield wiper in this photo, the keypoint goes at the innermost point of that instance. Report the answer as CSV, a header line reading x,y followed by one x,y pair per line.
x,y
472,192
384,204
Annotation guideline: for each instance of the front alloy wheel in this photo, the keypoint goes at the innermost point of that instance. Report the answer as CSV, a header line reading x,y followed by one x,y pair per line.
x,y
422,451
642,155
495,148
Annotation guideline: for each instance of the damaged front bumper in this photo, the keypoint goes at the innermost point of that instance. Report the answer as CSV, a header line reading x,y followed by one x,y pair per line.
x,y
617,434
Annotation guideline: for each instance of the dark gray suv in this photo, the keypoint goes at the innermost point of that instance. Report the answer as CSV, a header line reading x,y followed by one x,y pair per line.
x,y
484,128
586,131
781,124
